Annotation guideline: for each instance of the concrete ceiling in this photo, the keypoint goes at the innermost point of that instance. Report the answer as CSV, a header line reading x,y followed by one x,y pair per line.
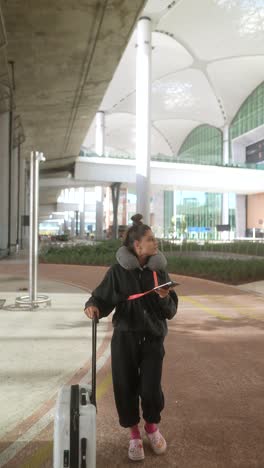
x,y
65,54
5,81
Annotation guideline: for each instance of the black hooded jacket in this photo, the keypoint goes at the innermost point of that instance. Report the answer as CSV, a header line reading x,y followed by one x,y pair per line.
x,y
147,314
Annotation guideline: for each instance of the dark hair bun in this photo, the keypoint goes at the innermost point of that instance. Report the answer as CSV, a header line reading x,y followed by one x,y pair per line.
x,y
137,219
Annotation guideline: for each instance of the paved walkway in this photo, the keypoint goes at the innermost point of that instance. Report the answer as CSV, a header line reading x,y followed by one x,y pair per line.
x,y
213,373
256,287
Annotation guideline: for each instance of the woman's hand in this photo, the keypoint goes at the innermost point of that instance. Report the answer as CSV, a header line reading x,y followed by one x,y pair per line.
x,y
92,312
163,292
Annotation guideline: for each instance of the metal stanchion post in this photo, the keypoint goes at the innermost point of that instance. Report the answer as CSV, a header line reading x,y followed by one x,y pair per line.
x,y
31,216
33,299
39,157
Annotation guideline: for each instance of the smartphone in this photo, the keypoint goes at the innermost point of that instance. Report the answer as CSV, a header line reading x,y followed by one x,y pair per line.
x,y
169,284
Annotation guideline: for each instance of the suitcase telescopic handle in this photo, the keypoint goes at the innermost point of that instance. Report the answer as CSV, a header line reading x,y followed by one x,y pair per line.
x,y
94,336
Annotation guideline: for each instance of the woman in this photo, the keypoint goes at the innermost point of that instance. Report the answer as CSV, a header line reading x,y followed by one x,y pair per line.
x,y
139,329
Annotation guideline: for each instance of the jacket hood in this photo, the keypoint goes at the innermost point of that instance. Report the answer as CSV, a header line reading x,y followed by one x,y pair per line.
x,y
130,262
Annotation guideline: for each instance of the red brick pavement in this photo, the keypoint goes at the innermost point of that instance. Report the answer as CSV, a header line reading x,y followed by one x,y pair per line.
x,y
213,380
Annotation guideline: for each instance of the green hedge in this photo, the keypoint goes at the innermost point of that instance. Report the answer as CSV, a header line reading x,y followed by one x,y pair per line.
x,y
102,253
231,271
236,247
225,270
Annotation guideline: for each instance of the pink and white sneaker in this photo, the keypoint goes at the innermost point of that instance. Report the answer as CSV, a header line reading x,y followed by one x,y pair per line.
x,y
157,442
136,450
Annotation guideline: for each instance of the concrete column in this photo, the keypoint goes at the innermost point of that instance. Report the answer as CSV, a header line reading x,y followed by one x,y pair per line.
x,y
107,208
158,210
225,209
77,222
143,116
225,196
25,229
82,212
100,133
124,206
168,211
66,223
100,150
22,199
175,212
4,180
65,226
226,144
115,199
239,156
240,216
21,196
99,215
82,234
238,152
72,227
14,199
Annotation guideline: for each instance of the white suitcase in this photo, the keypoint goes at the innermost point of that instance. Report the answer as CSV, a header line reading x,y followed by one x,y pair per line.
x,y
75,423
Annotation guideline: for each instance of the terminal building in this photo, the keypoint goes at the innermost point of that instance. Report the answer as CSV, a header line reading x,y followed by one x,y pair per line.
x,y
110,108
185,111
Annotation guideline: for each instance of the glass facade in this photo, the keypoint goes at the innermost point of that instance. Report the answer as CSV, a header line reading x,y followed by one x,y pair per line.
x,y
194,216
168,213
203,145
250,115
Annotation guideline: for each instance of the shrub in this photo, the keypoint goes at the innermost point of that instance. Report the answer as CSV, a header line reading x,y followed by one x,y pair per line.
x,y
232,271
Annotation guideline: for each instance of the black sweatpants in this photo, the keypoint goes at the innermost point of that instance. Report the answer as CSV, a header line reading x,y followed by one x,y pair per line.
x,y
137,369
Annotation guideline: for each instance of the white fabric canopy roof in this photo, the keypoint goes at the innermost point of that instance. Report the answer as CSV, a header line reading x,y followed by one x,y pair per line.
x,y
208,56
